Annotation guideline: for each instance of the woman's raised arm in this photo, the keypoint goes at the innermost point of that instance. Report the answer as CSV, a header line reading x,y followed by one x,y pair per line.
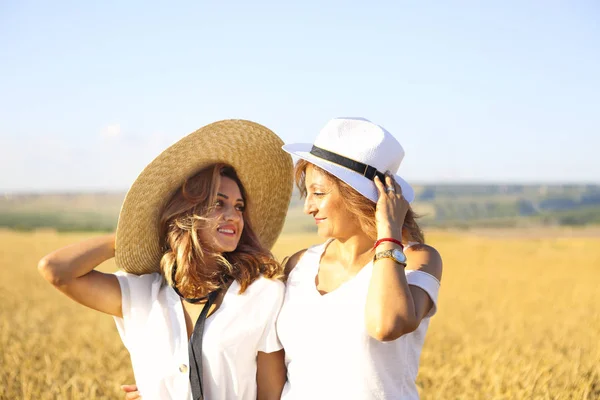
x,y
71,270
393,307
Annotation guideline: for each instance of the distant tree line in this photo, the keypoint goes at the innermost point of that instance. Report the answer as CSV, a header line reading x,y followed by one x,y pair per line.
x,y
448,205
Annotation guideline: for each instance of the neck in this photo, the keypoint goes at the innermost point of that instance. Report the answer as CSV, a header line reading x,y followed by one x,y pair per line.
x,y
353,252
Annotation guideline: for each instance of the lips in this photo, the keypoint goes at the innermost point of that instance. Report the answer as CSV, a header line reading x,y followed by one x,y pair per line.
x,y
319,220
228,230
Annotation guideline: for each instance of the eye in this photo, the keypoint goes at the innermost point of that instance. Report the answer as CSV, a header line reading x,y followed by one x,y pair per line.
x,y
318,194
240,207
218,203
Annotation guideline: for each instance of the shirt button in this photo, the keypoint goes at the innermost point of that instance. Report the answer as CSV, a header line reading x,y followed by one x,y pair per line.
x,y
183,368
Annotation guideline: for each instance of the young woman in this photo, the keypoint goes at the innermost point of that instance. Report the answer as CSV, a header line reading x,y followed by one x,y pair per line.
x,y
357,307
197,309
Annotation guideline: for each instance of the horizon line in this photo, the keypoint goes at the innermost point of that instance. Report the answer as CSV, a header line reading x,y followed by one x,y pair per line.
x,y
72,191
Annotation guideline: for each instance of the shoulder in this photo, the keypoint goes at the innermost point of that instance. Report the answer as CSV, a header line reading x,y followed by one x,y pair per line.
x,y
264,295
424,258
139,286
290,262
140,294
264,287
148,279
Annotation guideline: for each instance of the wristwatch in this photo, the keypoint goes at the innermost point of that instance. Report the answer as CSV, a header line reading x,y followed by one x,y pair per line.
x,y
395,254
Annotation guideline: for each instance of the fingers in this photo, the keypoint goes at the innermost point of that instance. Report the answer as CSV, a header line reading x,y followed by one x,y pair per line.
x,y
131,392
133,396
390,187
129,388
390,182
379,185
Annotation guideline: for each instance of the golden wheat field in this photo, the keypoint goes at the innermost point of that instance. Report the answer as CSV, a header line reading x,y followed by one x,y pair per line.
x,y
519,318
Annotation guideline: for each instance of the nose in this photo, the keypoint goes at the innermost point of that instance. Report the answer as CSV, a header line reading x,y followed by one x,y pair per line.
x,y
231,214
309,206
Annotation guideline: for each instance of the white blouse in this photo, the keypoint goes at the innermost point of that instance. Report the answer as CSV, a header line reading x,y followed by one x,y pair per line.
x,y
329,354
154,332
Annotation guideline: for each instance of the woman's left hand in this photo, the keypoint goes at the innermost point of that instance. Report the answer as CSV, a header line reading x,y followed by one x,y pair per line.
x,y
131,392
391,208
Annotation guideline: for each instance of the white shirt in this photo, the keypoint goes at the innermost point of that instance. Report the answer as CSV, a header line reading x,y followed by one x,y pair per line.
x,y
154,332
329,354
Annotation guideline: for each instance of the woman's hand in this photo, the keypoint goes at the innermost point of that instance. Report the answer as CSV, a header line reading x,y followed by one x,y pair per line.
x,y
391,208
131,392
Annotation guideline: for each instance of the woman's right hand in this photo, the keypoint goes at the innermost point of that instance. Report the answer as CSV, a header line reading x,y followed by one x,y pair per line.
x,y
131,392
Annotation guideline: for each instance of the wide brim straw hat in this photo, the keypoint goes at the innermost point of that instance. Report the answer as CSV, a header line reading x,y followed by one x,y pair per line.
x,y
354,149
264,169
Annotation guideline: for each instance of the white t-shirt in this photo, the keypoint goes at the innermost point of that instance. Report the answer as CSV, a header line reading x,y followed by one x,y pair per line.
x,y
153,330
329,354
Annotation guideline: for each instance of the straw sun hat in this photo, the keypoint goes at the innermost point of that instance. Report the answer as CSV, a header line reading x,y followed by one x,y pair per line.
x,y
254,151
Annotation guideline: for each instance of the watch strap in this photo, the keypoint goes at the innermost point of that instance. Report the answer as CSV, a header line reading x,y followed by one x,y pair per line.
x,y
388,254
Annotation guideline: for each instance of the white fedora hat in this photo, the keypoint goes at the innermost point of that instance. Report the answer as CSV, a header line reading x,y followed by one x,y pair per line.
x,y
355,150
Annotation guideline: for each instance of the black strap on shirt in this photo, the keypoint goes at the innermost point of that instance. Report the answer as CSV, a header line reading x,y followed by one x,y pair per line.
x,y
195,350
189,300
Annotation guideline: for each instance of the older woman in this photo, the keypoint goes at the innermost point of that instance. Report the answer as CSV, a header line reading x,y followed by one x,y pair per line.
x,y
357,307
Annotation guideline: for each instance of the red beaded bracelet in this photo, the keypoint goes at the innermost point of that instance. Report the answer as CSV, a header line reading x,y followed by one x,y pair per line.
x,y
379,241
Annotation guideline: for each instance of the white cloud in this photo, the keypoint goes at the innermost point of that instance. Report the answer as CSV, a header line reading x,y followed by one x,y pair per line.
x,y
111,131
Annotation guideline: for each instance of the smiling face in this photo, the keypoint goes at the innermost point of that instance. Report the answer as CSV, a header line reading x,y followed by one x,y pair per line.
x,y
324,202
226,216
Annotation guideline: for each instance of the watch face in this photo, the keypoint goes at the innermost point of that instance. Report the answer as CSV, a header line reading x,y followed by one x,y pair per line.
x,y
399,255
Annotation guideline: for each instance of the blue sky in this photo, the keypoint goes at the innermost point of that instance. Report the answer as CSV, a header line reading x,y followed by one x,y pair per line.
x,y
495,91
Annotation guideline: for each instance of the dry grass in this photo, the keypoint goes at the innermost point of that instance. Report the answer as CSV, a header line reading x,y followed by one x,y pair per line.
x,y
518,319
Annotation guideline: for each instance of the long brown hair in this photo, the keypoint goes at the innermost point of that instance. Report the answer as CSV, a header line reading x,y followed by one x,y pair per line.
x,y
362,208
199,269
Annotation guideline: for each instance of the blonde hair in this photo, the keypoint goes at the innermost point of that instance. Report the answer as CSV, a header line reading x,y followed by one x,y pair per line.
x,y
362,208
196,268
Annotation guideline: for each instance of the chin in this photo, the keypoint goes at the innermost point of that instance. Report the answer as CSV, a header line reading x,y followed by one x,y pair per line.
x,y
324,233
227,248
